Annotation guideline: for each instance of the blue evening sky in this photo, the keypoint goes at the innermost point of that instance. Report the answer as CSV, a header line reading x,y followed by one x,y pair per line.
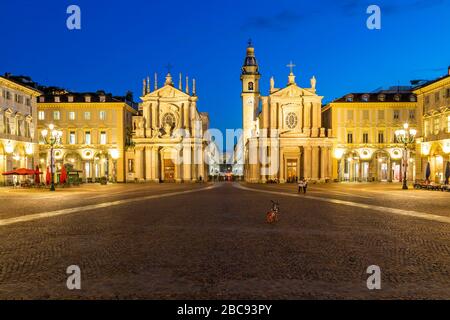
x,y
121,42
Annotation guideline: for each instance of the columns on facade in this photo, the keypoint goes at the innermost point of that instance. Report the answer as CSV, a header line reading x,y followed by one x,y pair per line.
x,y
307,162
253,160
307,120
139,163
315,121
155,164
148,163
329,160
187,161
265,111
323,162
315,163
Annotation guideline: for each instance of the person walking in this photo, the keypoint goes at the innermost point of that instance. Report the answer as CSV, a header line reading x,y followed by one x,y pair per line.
x,y
305,185
300,185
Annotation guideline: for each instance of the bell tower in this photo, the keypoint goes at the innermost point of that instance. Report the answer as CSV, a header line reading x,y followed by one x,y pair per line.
x,y
250,91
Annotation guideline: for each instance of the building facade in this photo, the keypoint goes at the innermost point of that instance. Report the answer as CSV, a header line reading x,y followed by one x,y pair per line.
x,y
433,147
284,140
18,134
96,130
364,126
168,135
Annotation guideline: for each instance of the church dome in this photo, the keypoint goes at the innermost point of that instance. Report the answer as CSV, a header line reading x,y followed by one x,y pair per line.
x,y
250,59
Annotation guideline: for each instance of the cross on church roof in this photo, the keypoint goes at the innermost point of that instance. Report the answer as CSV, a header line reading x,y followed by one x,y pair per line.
x,y
169,67
291,65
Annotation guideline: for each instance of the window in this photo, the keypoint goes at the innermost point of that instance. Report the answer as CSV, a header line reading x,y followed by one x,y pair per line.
x,y
291,120
396,114
349,137
436,125
365,114
447,93
349,98
350,115
365,137
87,137
19,99
102,115
250,86
71,115
87,115
28,102
436,97
448,124
41,115
102,137
72,137
412,114
168,120
427,100
56,115
365,98
380,137
380,114
130,165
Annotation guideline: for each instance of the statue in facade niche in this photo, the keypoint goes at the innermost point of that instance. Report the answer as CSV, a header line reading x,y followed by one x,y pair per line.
x,y
313,83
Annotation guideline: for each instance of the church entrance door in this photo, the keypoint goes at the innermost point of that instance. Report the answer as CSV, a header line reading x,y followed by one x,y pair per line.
x,y
169,170
291,170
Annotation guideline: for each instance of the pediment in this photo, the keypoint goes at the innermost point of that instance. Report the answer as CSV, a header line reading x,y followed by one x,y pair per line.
x,y
168,91
292,91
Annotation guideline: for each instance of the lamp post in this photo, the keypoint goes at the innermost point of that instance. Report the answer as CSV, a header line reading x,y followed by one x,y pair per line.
x,y
405,136
51,137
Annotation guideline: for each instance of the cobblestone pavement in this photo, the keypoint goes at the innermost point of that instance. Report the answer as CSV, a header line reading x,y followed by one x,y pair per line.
x,y
214,244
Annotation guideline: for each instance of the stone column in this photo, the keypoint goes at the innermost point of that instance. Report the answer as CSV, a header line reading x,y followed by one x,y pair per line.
x,y
315,163
253,160
307,162
148,163
307,120
155,164
154,111
139,159
315,120
265,111
200,165
186,116
187,162
329,161
282,175
323,162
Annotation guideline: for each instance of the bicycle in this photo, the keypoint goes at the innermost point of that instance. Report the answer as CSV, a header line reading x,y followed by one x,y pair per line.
x,y
272,215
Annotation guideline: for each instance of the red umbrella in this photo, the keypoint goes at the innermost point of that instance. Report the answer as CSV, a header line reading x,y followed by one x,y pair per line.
x,y
37,177
47,176
20,172
63,176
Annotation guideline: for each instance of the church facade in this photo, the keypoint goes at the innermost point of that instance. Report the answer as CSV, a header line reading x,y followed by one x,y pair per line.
x,y
283,138
167,135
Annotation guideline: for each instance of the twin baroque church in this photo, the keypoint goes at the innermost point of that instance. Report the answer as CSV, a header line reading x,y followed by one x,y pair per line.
x,y
168,143
283,137
283,140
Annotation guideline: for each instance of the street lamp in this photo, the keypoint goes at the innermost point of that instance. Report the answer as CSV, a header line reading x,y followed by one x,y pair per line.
x,y
405,136
51,137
